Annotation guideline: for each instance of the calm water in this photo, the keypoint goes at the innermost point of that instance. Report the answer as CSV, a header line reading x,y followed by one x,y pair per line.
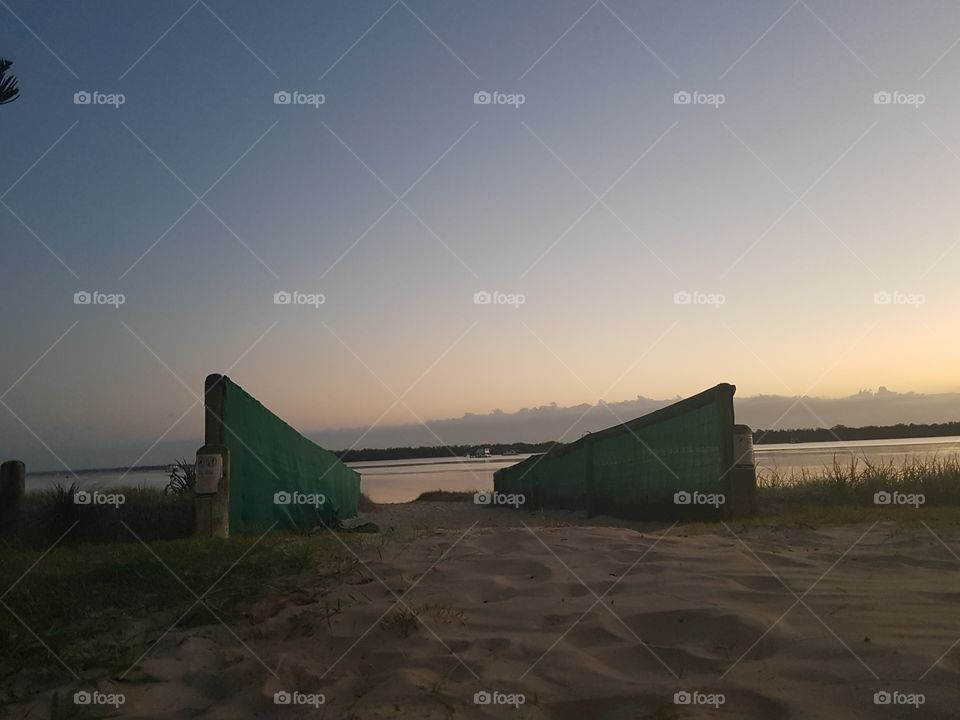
x,y
796,456
403,480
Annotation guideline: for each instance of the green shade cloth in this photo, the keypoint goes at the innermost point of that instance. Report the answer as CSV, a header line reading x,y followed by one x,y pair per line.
x,y
633,469
267,457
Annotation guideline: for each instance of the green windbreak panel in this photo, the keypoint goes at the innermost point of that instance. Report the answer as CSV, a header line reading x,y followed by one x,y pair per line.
x,y
633,469
554,479
267,456
550,480
648,464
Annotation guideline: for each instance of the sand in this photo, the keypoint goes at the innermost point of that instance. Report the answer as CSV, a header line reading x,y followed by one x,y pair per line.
x,y
565,620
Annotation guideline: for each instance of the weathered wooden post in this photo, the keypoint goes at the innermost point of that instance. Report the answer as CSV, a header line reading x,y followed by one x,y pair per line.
x,y
13,475
213,467
743,477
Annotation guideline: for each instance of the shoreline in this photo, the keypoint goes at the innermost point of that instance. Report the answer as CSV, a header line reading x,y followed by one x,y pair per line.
x,y
439,459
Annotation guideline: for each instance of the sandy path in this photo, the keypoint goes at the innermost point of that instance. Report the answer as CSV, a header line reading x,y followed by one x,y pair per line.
x,y
508,609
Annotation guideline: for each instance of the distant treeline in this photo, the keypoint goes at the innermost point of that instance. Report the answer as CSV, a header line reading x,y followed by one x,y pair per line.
x,y
760,437
870,432
408,453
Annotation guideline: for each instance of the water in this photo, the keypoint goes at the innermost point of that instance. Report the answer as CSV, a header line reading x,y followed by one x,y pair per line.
x,y
792,457
384,481
391,481
404,480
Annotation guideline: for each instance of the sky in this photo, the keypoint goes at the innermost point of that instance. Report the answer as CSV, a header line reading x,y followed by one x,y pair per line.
x,y
792,229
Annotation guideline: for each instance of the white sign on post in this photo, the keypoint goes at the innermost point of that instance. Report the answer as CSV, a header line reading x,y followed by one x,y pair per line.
x,y
209,473
743,449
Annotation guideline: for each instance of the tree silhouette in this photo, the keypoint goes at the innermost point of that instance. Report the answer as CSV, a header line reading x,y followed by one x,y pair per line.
x,y
8,85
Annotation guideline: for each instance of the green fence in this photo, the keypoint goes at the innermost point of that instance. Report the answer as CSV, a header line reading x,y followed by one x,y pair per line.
x,y
636,468
276,475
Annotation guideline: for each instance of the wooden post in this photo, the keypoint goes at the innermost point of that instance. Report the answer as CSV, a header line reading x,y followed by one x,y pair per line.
x,y
212,493
742,502
13,474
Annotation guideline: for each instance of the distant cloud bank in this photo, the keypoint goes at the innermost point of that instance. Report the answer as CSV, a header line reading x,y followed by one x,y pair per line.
x,y
553,422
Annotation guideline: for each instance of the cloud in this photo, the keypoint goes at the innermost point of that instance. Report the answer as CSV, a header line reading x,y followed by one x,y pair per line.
x,y
553,422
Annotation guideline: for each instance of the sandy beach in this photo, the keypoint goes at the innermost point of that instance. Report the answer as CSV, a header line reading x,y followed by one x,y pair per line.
x,y
557,617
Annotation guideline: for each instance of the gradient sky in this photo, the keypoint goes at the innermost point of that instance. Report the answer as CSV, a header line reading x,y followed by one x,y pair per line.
x,y
797,200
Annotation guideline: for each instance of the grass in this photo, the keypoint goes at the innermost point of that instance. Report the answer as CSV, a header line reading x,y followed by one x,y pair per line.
x,y
401,621
843,494
404,620
856,483
98,607
148,513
